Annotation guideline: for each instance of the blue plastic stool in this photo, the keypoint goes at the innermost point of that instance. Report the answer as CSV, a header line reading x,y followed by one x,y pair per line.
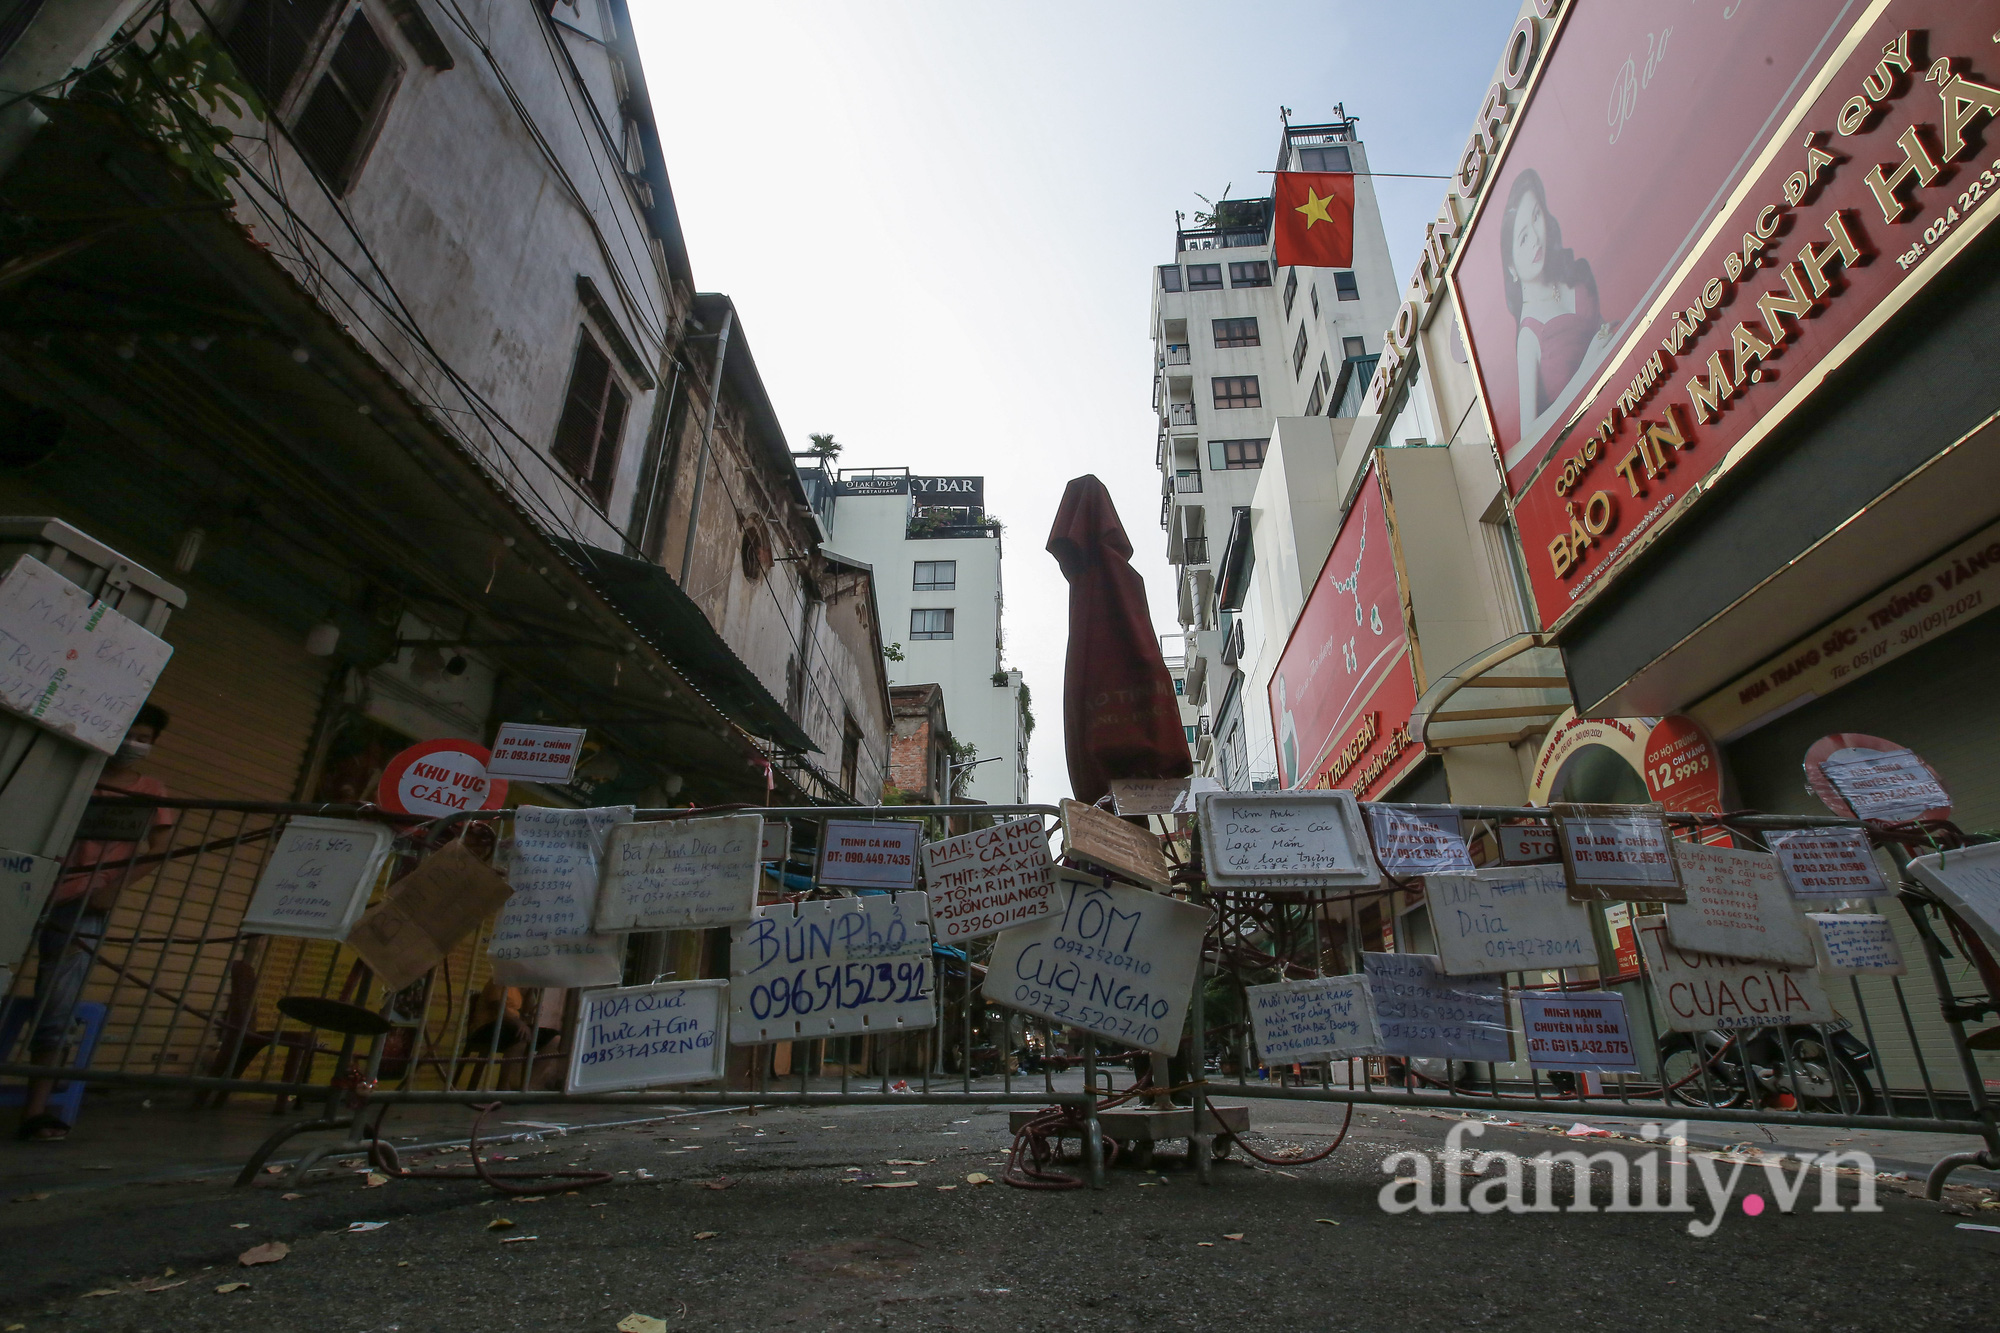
x,y
67,1100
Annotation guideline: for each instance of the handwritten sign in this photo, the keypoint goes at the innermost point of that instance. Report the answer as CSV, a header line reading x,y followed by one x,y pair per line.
x,y
987,880
1158,796
1286,840
1326,1018
677,874
1508,919
832,967
317,879
648,1036
1119,962
1425,1014
1969,881
1737,906
1885,784
72,664
1419,839
1617,853
1578,1030
1818,864
539,754
425,914
26,880
1699,991
1528,844
858,855
1112,845
543,935
1852,942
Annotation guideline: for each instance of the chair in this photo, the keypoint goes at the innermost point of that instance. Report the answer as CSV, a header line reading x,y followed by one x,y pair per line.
x,y
67,1100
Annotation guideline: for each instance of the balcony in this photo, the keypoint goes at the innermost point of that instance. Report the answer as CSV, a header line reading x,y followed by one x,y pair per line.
x,y
1180,414
1187,481
1177,354
1232,642
1194,551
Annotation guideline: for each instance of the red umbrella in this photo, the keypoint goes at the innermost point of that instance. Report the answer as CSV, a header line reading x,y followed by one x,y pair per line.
x,y
1121,718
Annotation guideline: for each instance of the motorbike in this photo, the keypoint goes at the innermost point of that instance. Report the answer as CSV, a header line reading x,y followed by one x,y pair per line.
x,y
1787,1068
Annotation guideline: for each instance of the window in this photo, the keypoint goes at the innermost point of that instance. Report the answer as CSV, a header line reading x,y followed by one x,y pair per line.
x,y
1344,287
1315,295
1204,277
1236,391
1236,455
333,128
334,115
593,417
1253,273
1291,289
937,575
1235,332
1190,734
272,39
1325,373
1353,347
1325,159
1170,277
1299,353
931,624
1318,399
1180,685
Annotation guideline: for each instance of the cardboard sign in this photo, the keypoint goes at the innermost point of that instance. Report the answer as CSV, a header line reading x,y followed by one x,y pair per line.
x,y
444,777
985,881
1968,880
427,912
74,665
1617,853
1528,845
832,967
318,878
1578,1030
1113,846
1158,796
1327,1018
1419,839
543,935
1700,992
859,855
649,1036
1857,942
26,880
1119,962
539,754
1892,785
1737,906
678,874
1286,840
1818,864
1425,1014
1508,919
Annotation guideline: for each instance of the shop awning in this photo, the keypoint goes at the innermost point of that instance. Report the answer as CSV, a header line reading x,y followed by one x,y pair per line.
x,y
1516,703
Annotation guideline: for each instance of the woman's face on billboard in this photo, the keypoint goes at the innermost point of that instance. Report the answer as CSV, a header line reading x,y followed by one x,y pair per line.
x,y
1530,240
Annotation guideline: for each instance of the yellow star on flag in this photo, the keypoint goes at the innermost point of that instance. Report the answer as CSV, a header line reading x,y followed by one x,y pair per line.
x,y
1315,208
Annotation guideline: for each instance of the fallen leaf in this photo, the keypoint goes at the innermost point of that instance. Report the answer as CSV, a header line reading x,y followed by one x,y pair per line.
x,y
101,1291
706,1235
516,1240
1232,1235
239,1226
892,1184
291,1196
165,1286
274,1170
30,1198
901,1161
1206,1244
641,1323
366,1226
1326,1221
979,1178
947,1187
168,1273
500,1224
899,1173
375,1181
222,1290
719,1183
268,1253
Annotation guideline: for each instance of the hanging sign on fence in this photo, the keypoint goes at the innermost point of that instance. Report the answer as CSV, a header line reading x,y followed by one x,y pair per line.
x,y
678,874
71,663
1867,777
1286,840
830,968
1326,1018
1116,961
539,754
1419,839
26,880
1819,864
542,937
1578,1030
1968,879
1425,1014
316,882
776,843
443,777
1857,942
426,913
1508,919
1617,852
1158,796
856,854
649,1036
1528,844
984,881
1699,991
1109,843
1737,906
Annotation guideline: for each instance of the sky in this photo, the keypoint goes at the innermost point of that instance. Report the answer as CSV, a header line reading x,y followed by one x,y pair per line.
x,y
939,222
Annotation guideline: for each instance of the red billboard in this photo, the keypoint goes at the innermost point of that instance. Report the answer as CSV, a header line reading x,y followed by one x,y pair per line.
x,y
1345,686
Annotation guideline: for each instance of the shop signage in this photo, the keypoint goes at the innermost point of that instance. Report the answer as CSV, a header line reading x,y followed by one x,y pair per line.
x,y
838,966
1857,942
679,874
1110,844
1286,840
1700,992
1866,777
539,754
951,492
896,483
1819,864
1419,839
317,878
1578,1030
984,881
1671,755
436,778
543,936
1620,853
860,855
1508,920
426,913
1324,1018
649,1036
1425,1014
1738,905
70,662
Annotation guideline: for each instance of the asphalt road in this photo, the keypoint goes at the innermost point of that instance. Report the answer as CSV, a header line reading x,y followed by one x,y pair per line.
x,y
796,1238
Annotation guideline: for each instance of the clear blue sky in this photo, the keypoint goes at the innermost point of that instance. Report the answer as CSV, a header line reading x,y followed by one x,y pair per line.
x,y
939,220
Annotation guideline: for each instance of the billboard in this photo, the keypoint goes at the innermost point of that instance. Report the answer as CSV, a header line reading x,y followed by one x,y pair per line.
x,y
1346,685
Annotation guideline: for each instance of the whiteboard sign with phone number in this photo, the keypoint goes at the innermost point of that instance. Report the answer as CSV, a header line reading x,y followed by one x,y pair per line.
x,y
830,968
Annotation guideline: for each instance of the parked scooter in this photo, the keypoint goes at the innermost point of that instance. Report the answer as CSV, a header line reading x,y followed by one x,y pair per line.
x,y
1787,1068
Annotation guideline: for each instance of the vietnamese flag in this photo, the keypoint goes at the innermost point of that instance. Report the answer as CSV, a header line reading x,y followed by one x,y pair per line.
x,y
1315,219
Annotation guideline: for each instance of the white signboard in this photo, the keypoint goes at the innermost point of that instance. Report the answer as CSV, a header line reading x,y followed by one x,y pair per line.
x,y
1852,942
1528,844
860,855
539,754
1419,839
1158,796
26,880
1699,992
1119,962
1827,863
1737,906
1969,880
646,1036
676,874
1425,1014
1286,840
1618,854
1508,919
1578,1030
1884,784
316,882
76,666
985,881
831,967
776,844
1327,1018
542,936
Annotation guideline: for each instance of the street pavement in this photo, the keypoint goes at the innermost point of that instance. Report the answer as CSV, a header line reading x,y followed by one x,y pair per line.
x,y
775,1219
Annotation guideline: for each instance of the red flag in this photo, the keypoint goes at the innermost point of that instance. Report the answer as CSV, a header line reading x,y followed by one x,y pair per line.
x,y
1315,219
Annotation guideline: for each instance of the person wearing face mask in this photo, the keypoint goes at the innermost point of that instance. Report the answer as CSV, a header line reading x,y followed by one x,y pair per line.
x,y
94,873
1553,297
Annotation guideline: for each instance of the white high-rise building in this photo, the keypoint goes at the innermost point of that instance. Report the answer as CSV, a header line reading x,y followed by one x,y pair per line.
x,y
1238,345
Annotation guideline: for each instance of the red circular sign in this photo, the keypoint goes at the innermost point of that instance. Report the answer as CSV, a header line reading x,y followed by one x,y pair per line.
x,y
440,778
1843,748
